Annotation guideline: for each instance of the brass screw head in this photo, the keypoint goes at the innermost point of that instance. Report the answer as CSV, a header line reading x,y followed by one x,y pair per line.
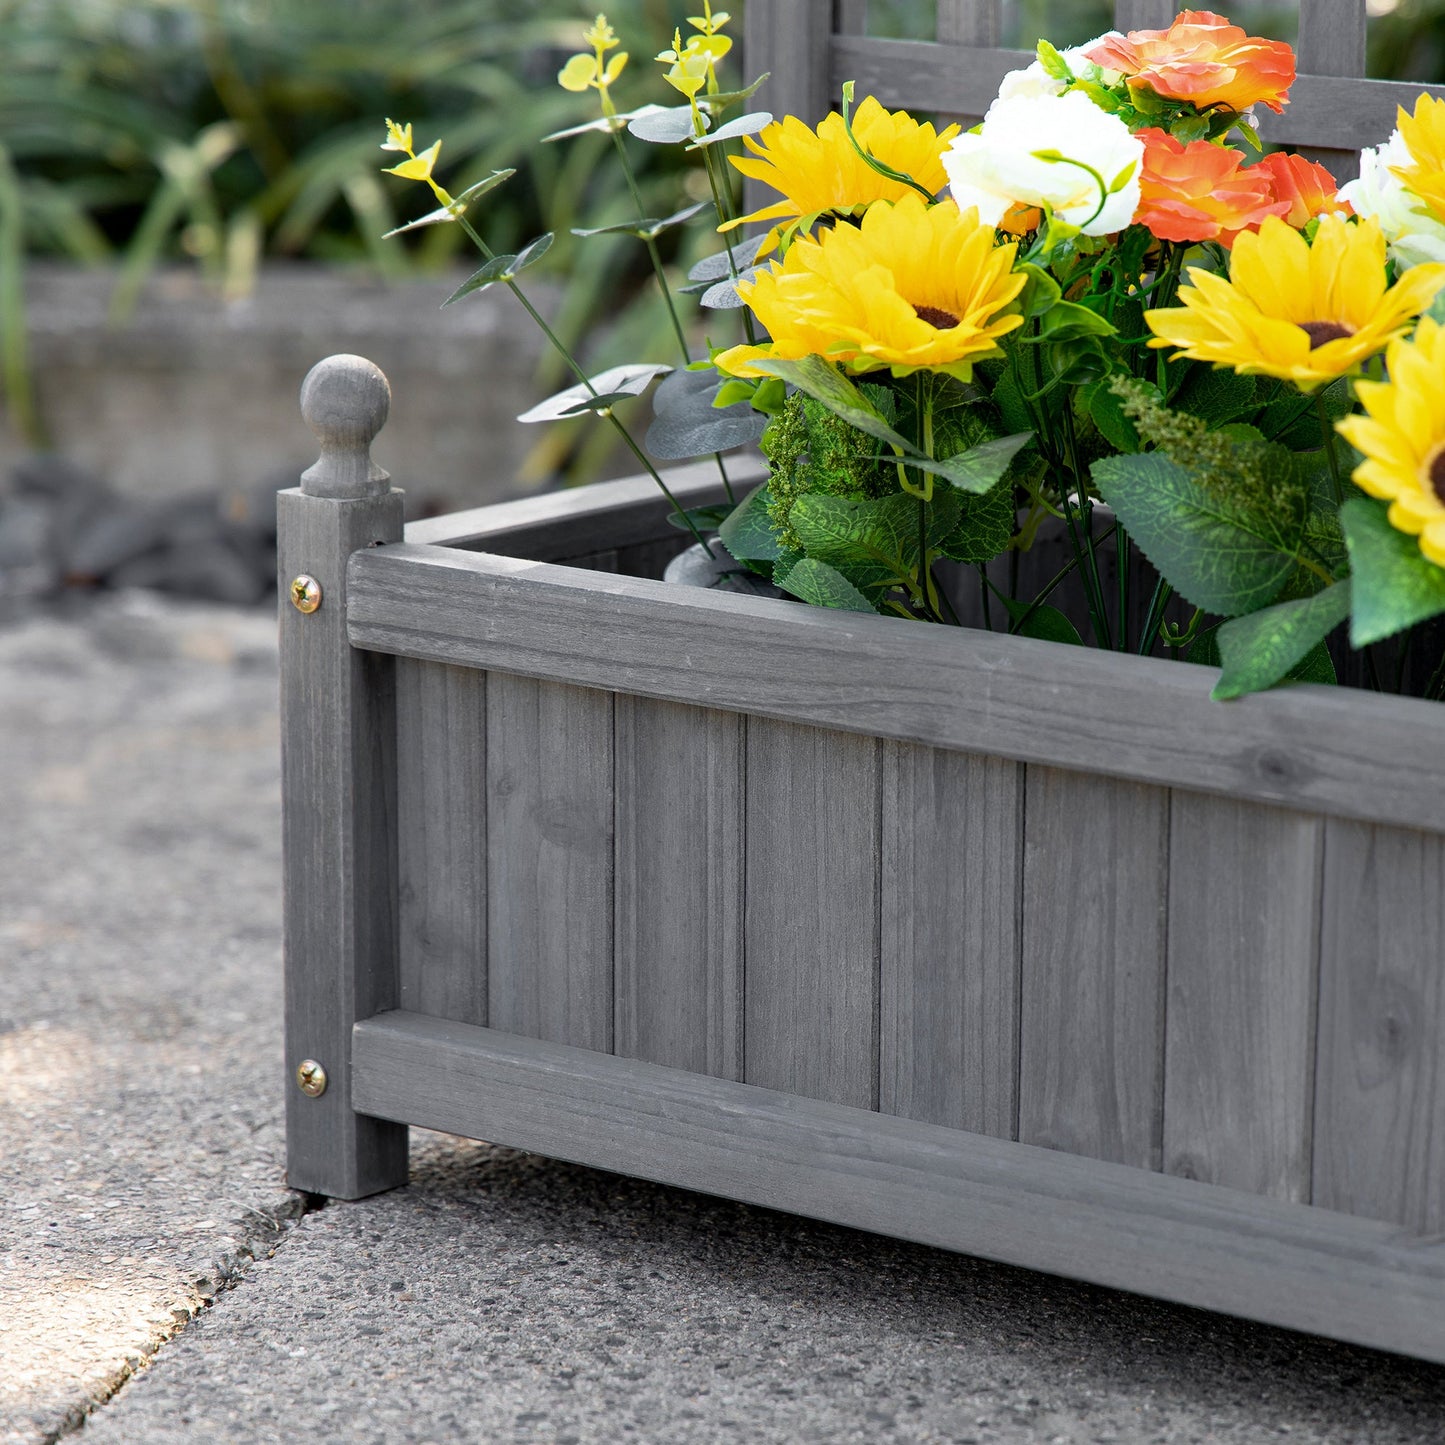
x,y
311,1078
305,593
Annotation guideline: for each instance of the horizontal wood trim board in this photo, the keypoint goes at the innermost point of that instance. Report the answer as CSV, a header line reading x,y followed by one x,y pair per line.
x,y
1109,1224
1320,749
588,519
1324,111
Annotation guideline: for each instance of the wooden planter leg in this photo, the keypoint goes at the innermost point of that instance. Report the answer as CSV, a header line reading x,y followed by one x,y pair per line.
x,y
338,763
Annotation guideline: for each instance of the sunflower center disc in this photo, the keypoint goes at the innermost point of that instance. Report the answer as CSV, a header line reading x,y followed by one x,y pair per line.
x,y
939,319
1320,332
1435,472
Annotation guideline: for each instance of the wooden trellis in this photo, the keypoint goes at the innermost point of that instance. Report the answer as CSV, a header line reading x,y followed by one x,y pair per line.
x,y
812,46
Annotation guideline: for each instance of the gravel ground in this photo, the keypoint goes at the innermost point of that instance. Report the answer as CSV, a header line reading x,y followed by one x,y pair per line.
x,y
144,1226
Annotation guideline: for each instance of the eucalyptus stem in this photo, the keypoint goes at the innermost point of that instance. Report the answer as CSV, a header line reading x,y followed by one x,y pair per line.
x,y
562,350
657,270
724,212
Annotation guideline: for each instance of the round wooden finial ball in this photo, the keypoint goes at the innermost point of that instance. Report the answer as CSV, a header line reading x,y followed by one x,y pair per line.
x,y
345,400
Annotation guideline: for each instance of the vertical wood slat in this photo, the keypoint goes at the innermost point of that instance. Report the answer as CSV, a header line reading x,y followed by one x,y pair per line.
x,y
970,22
811,924
1332,37
850,17
1244,907
948,987
1380,1091
1144,14
679,882
549,861
1091,1035
338,755
441,724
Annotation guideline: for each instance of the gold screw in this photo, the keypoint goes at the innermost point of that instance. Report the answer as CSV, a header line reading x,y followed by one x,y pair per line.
x,y
305,593
311,1078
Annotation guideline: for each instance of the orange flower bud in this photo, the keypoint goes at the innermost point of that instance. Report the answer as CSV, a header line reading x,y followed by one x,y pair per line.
x,y
1306,187
1204,60
1200,192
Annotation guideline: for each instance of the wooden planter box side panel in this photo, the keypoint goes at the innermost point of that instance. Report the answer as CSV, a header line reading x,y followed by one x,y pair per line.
x,y
1124,972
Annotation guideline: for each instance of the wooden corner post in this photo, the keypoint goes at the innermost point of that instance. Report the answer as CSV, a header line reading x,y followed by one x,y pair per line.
x,y
338,766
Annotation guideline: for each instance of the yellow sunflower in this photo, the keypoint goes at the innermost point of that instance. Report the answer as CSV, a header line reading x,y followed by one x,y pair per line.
x,y
1307,313
822,172
1403,438
1424,137
913,287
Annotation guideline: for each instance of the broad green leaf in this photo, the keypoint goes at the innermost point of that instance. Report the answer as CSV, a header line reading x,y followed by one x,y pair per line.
x,y
748,531
717,104
721,263
688,424
667,125
979,469
1259,650
985,525
823,586
823,381
749,124
1396,585
1106,408
1068,321
1216,395
874,543
458,207
618,383
1040,291
1043,622
1214,554
1012,408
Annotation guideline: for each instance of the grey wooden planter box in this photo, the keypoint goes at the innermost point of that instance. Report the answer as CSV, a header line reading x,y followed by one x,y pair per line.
x,y
1011,948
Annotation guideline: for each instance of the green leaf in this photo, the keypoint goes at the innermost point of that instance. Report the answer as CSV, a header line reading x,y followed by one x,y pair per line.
x,y
603,123
874,543
985,525
1216,395
649,228
606,389
703,519
1106,408
458,207
667,125
1396,585
979,469
748,530
1043,622
721,263
502,269
717,104
1259,650
749,124
1068,321
689,423
820,379
1012,408
1217,555
824,586
1040,291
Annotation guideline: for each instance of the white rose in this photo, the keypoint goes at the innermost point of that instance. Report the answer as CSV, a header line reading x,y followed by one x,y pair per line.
x,y
1035,80
1034,150
1415,234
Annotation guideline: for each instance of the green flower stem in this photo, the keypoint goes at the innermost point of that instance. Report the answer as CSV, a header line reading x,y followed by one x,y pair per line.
x,y
1162,593
724,213
1327,435
1092,584
560,347
1122,554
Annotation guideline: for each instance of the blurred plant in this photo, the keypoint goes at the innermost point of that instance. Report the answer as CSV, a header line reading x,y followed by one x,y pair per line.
x,y
225,131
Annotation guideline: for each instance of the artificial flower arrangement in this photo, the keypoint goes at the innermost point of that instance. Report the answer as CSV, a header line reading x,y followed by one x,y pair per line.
x,y
1102,309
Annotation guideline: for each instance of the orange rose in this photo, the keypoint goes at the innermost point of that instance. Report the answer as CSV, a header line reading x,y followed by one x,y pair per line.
x,y
1200,192
1307,188
1204,60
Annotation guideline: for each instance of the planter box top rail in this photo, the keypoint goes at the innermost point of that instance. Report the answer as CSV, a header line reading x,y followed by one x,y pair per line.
x,y
1321,749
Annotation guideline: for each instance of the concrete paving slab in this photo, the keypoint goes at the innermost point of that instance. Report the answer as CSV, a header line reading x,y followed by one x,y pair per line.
x,y
508,1299
140,1140
500,1297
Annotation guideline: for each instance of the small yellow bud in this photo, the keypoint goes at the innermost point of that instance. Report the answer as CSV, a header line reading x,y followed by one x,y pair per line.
x,y
601,36
398,137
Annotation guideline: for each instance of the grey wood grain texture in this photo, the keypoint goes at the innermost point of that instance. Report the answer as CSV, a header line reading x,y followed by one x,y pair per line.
x,y
679,888
441,723
549,851
1244,901
1091,1034
789,40
1334,112
1320,749
969,22
1332,37
1144,14
1380,1071
603,514
594,561
338,783
811,923
650,559
850,17
948,988
1220,1249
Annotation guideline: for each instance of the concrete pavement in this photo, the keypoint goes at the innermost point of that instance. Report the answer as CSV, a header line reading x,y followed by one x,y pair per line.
x,y
158,1283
